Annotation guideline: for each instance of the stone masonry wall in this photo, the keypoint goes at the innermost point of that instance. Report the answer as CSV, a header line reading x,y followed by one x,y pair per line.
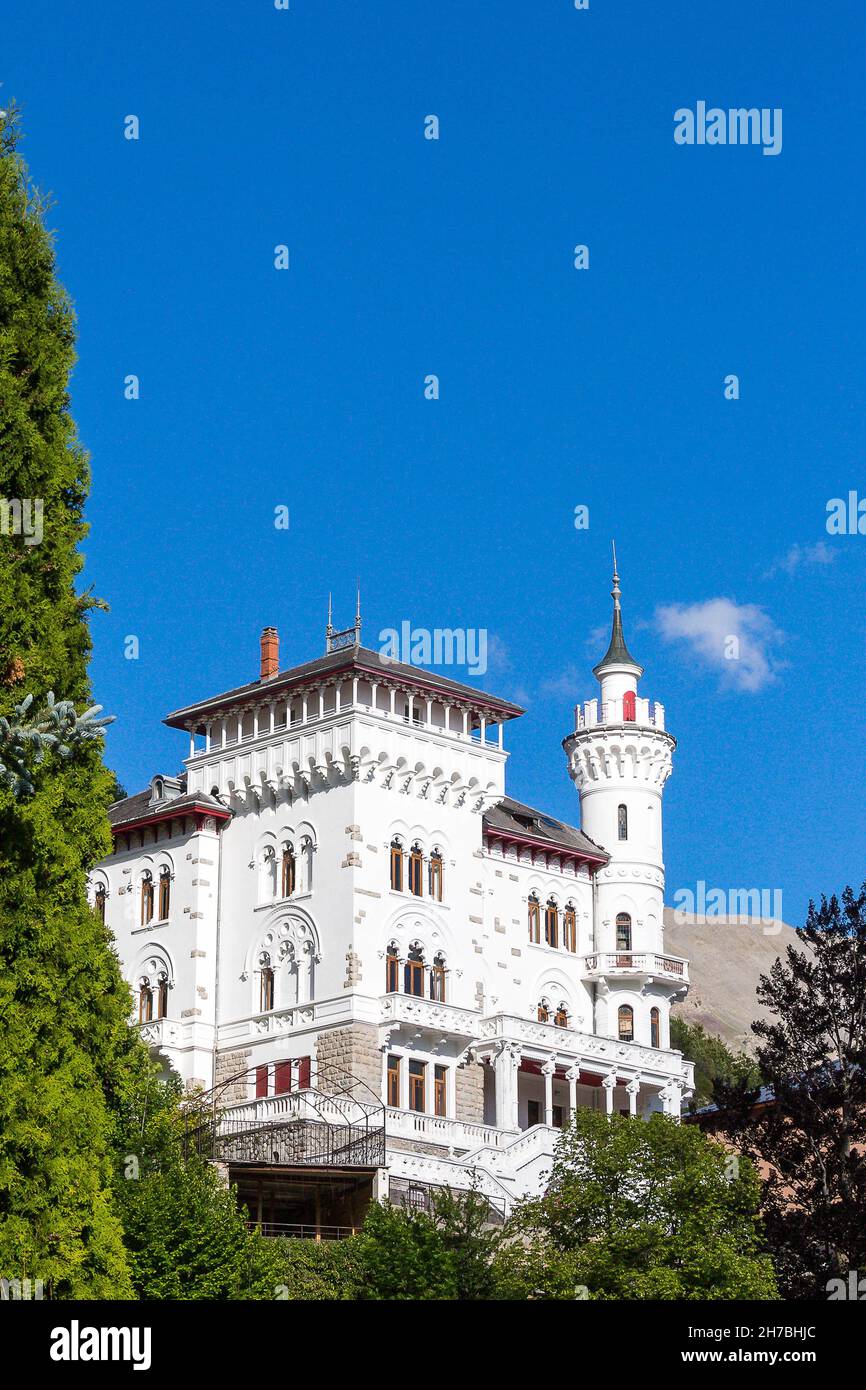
x,y
351,1052
469,1093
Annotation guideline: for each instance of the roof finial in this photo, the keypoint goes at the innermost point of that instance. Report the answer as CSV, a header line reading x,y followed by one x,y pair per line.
x,y
330,613
615,592
358,608
617,653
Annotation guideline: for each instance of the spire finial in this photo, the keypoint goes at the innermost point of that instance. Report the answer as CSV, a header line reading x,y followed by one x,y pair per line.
x,y
358,608
617,653
615,592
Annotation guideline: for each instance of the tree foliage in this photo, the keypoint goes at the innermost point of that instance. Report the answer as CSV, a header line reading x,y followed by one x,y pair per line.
x,y
811,1140
642,1210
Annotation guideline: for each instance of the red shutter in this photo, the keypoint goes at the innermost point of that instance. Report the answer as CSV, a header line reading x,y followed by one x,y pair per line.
x,y
262,1081
282,1078
303,1073
628,708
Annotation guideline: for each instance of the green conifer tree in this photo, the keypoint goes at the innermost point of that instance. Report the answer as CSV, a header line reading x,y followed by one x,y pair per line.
x,y
65,1046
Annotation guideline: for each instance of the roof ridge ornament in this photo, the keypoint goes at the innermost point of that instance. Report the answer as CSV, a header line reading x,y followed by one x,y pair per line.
x,y
617,653
347,636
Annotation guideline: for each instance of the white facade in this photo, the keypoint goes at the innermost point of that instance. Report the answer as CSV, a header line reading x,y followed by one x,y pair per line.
x,y
456,1012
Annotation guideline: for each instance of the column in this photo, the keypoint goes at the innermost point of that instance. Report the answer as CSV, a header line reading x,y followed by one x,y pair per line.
x,y
256,722
391,709
609,1084
505,1079
273,710
501,745
547,1071
207,731
192,743
429,1077
572,1076
321,702
632,1088
337,702
304,709
240,726
465,723
429,713
224,732
483,732
410,709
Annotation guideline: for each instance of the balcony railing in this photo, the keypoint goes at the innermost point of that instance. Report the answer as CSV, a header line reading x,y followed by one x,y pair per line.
x,y
592,713
584,1048
636,963
427,1013
436,1129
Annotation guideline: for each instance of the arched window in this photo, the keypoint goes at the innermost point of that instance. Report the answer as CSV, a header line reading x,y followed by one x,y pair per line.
x,y
266,985
534,919
164,895
396,866
99,901
392,970
414,972
560,1018
628,705
162,996
543,1011
146,898
307,848
437,979
287,880
268,873
145,1001
623,931
551,923
436,875
416,870
625,1023
569,928
622,822
655,1028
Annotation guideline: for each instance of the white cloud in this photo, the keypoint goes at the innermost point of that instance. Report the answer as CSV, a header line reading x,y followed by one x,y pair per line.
x,y
818,554
736,640
497,653
566,685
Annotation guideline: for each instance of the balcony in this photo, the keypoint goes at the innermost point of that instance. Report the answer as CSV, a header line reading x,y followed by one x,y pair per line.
x,y
644,964
436,1129
571,1046
427,1013
649,714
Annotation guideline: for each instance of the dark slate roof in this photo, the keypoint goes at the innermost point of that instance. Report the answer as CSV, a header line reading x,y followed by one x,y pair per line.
x,y
352,659
514,818
135,808
617,653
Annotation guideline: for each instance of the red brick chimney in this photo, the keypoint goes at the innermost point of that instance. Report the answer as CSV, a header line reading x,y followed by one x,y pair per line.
x,y
270,653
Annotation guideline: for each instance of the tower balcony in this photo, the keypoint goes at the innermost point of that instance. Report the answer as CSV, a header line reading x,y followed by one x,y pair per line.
x,y
648,714
636,965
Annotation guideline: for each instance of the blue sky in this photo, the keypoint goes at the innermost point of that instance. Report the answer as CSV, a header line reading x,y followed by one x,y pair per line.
x,y
558,387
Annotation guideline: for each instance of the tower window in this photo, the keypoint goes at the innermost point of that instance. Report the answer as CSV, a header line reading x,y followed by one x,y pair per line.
x,y
534,919
551,923
414,973
145,1002
100,902
162,997
392,971
164,893
397,866
440,1091
146,899
622,822
437,980
288,871
623,931
655,1028
569,929
266,989
625,1023
416,867
628,705
436,876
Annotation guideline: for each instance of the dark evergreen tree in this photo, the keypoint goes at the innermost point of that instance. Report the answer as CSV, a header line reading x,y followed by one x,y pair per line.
x,y
64,1042
811,1137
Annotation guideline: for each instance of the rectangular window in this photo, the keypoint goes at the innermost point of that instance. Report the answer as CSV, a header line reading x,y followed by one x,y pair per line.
x,y
304,1073
416,865
394,1082
534,921
164,896
570,929
261,1081
436,877
440,1091
397,868
417,1082
414,976
437,984
557,1116
392,975
282,1078
533,1112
